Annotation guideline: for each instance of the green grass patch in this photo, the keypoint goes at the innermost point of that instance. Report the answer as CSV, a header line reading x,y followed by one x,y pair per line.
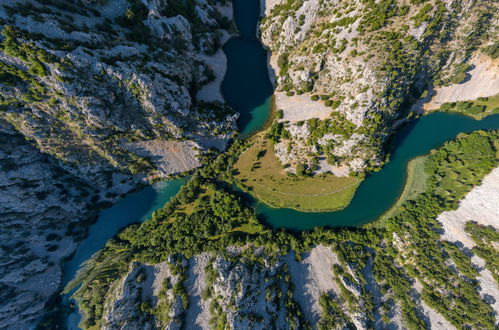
x,y
478,109
260,172
250,228
205,193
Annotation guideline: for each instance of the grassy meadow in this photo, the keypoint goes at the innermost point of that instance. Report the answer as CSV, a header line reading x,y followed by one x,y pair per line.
x,y
260,172
414,185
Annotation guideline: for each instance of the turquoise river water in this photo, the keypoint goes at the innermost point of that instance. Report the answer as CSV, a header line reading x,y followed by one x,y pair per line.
x,y
247,88
136,207
380,191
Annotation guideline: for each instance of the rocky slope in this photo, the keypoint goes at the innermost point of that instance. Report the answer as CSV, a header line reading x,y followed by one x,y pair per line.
x,y
345,71
88,83
432,265
96,98
245,289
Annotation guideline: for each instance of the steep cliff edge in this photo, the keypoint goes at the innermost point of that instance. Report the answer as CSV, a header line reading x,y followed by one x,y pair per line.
x,y
96,99
90,82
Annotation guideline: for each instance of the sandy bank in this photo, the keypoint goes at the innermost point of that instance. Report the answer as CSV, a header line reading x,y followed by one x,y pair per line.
x,y
267,5
218,65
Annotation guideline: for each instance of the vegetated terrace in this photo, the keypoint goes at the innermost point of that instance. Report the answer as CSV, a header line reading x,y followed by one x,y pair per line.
x,y
478,109
259,171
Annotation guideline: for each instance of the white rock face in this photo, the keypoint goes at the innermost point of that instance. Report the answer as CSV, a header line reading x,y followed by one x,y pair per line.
x,y
168,156
480,205
39,202
313,277
483,82
115,95
198,315
300,107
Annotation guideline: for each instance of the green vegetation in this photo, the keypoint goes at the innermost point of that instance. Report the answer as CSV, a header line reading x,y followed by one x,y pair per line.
x,y
486,239
133,19
277,131
259,171
32,56
319,128
462,261
333,314
407,247
453,170
492,50
28,81
478,109
423,15
377,15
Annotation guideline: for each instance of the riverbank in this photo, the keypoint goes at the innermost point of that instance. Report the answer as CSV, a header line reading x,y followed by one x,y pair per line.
x,y
414,185
137,206
477,109
354,265
261,174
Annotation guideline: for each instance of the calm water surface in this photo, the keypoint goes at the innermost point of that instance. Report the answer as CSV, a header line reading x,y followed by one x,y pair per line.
x,y
380,191
135,207
246,86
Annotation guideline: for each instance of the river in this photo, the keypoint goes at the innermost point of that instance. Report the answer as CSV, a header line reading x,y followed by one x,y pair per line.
x,y
380,191
250,96
247,88
136,207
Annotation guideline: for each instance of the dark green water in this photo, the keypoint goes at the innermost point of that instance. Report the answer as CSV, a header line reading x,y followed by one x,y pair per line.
x,y
246,86
380,191
136,207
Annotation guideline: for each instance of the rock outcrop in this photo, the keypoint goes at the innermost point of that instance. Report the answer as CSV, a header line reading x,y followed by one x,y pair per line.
x,y
347,70
96,98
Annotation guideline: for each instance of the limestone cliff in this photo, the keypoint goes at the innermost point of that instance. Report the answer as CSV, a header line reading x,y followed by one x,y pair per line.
x,y
345,71
96,98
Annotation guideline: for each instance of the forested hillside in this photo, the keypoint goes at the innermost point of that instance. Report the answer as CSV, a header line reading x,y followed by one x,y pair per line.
x,y
347,71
